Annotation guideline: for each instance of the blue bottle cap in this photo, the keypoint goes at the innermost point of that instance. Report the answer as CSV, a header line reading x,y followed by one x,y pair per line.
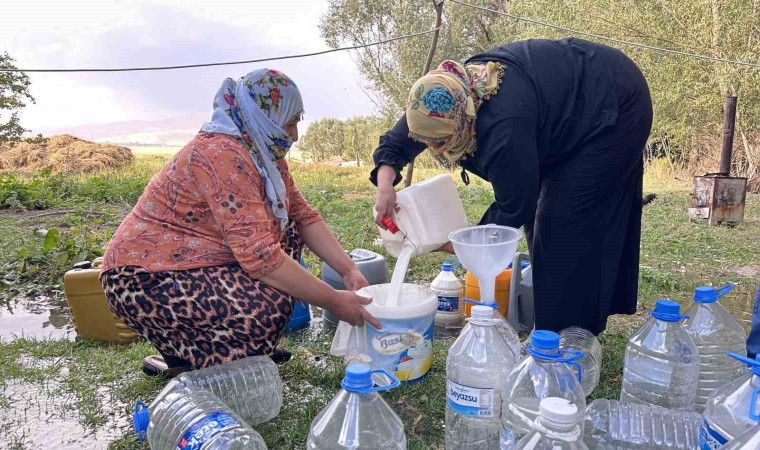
x,y
140,420
446,267
544,341
358,377
668,311
707,294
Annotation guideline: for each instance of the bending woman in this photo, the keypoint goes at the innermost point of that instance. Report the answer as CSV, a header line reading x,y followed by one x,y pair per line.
x,y
558,127
206,265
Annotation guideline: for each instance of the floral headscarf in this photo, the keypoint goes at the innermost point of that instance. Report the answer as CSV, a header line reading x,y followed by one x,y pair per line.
x,y
443,105
255,108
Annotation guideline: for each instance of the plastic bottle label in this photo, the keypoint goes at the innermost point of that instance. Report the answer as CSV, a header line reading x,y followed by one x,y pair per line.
x,y
205,429
448,304
710,439
469,401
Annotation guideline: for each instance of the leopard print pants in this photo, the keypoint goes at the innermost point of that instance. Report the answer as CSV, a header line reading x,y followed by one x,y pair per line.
x,y
206,316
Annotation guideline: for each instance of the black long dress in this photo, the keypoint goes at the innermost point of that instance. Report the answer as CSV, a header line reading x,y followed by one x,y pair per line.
x,y
562,144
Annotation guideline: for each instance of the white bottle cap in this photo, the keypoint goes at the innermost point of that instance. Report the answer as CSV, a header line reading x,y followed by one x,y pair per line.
x,y
481,312
558,414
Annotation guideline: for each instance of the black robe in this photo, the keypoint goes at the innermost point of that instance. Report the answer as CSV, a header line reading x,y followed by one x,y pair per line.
x,y
562,144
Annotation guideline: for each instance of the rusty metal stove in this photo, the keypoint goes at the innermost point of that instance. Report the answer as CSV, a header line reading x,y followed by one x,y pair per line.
x,y
719,197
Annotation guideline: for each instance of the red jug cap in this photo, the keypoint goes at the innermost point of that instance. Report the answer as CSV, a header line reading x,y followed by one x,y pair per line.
x,y
388,222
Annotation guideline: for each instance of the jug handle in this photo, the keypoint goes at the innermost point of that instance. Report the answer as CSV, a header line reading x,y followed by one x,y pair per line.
x,y
720,292
572,360
395,382
453,261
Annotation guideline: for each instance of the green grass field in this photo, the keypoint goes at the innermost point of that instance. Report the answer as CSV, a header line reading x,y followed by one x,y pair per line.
x,y
93,385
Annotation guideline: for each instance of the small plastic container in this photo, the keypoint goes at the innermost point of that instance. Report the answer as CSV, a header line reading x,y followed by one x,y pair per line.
x,y
448,318
301,316
358,418
428,212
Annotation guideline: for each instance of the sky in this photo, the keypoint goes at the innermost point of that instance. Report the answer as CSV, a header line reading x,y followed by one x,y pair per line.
x,y
117,33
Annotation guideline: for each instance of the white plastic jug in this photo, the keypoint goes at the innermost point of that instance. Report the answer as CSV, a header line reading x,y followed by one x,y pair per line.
x,y
428,212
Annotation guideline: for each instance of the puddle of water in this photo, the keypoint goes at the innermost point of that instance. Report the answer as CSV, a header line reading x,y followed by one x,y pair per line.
x,y
34,416
37,316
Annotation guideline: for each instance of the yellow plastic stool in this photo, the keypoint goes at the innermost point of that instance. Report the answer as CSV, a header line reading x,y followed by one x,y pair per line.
x,y
93,318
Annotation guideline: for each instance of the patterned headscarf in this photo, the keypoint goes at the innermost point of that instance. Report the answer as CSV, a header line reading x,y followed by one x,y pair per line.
x,y
255,108
443,105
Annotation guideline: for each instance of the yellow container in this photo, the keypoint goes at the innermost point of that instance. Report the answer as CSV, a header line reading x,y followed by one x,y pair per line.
x,y
472,291
93,318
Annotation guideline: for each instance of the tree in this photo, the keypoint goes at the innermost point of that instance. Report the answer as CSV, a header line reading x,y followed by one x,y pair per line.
x,y
14,93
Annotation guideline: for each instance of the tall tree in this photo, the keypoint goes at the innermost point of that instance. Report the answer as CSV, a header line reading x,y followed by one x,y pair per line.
x,y
14,93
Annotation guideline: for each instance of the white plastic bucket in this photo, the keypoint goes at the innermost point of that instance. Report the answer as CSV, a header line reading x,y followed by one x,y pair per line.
x,y
404,345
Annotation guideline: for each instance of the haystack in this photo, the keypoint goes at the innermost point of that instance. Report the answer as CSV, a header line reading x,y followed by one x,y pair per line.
x,y
63,153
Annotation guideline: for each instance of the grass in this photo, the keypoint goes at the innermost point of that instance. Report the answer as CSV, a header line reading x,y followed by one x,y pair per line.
x,y
91,384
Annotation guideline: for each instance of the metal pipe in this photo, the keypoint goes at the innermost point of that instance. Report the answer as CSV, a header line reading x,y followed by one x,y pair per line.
x,y
729,120
438,4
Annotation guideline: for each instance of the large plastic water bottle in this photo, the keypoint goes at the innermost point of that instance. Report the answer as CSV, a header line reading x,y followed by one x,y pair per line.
x,y
477,364
750,440
448,318
556,428
251,386
544,373
357,417
732,409
611,424
661,362
502,326
716,333
187,418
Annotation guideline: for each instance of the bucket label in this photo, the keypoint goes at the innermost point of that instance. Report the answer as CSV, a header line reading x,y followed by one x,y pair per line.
x,y
448,304
403,346
710,439
203,430
392,342
469,401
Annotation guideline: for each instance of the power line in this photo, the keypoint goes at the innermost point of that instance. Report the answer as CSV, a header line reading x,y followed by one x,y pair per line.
x,y
607,38
228,63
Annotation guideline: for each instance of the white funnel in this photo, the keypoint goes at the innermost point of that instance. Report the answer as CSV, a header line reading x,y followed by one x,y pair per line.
x,y
486,250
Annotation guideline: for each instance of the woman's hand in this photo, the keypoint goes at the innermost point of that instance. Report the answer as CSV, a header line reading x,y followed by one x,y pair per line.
x,y
385,202
354,280
347,306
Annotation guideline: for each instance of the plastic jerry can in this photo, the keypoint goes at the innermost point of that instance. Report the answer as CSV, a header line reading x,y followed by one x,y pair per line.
x,y
372,265
93,318
428,212
520,314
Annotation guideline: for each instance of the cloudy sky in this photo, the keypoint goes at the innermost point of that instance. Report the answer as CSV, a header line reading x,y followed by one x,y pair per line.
x,y
115,33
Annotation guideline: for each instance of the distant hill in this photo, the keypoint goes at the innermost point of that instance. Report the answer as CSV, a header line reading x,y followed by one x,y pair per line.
x,y
172,132
153,132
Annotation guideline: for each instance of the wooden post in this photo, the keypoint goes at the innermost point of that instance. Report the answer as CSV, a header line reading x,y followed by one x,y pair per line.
x,y
438,4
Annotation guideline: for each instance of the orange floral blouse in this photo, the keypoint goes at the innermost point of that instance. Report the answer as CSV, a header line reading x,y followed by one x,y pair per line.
x,y
207,208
